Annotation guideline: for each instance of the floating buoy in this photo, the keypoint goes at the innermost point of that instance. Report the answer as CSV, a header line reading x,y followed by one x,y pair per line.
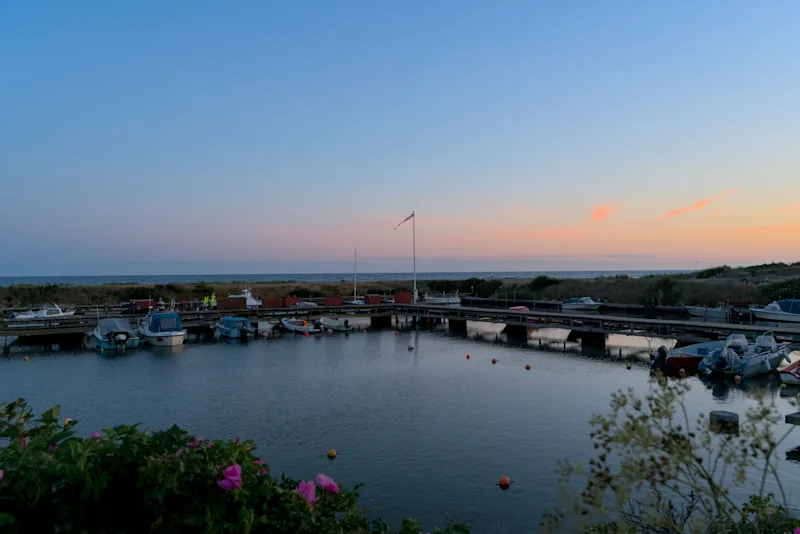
x,y
468,356
395,332
783,386
305,333
737,379
411,347
528,367
101,349
682,373
330,331
627,366
331,454
25,359
494,361
504,482
364,331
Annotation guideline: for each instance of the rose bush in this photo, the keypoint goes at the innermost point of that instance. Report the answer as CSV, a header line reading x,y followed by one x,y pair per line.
x,y
128,480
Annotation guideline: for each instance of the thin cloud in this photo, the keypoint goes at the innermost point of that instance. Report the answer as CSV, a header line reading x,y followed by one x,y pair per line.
x,y
787,210
700,204
602,212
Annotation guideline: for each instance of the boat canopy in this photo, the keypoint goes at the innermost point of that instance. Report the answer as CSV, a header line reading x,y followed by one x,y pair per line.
x,y
736,342
114,325
790,305
235,322
165,322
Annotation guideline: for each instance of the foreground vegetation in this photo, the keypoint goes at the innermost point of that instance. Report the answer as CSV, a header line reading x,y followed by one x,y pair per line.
x,y
755,284
127,480
658,471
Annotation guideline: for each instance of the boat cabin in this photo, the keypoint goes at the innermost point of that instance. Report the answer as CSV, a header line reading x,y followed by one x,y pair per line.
x,y
164,322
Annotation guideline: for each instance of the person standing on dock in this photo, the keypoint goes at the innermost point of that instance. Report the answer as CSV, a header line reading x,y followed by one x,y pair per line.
x,y
205,302
214,301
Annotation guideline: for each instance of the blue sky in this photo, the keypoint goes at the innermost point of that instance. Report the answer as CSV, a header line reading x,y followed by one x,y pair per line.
x,y
196,135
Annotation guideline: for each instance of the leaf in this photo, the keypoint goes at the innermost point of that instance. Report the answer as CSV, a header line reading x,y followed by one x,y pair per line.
x,y
6,519
51,416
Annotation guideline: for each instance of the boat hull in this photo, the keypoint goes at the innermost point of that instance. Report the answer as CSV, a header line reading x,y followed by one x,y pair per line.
x,y
337,325
581,307
443,301
776,316
790,378
707,313
166,339
105,344
299,329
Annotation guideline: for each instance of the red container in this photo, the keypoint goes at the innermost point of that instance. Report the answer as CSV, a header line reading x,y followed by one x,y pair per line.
x,y
402,297
372,299
274,302
141,305
290,301
332,301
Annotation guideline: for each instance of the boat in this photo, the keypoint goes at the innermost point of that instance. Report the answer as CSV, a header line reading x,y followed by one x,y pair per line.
x,y
115,334
47,312
580,304
161,329
443,300
744,359
791,374
250,301
307,304
719,312
301,326
686,358
336,324
781,310
233,328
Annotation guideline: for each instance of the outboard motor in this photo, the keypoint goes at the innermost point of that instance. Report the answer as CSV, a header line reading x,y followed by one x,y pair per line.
x,y
122,341
660,360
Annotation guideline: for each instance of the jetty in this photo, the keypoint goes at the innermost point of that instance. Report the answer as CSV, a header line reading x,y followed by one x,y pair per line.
x,y
592,329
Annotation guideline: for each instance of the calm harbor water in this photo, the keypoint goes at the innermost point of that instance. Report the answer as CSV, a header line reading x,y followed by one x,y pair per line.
x,y
428,432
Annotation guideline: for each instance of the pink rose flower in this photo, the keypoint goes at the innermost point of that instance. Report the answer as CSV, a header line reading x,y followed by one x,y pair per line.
x,y
306,491
326,483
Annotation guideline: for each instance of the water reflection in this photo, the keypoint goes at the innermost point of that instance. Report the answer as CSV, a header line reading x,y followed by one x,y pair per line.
x,y
724,387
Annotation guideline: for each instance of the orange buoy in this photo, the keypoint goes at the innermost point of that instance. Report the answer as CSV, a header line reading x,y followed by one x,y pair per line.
x,y
504,482
25,359
468,356
737,379
682,372
528,367
494,360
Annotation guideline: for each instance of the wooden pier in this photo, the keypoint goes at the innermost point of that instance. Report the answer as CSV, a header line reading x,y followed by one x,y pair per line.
x,y
593,328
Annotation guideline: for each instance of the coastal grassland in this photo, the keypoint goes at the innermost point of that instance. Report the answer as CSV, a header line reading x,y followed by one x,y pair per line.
x,y
754,284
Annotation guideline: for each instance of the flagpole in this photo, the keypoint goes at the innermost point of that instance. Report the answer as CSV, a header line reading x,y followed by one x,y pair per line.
x,y
414,241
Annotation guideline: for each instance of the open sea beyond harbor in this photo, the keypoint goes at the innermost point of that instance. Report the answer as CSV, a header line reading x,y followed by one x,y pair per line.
x,y
427,431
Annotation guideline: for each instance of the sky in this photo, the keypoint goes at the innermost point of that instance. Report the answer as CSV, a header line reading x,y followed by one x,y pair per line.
x,y
207,137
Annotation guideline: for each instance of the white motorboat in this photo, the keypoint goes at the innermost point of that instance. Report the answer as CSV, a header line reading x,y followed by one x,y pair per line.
x,y
115,334
301,326
442,300
162,329
233,328
336,324
718,312
580,304
250,301
745,359
47,312
791,374
308,304
782,310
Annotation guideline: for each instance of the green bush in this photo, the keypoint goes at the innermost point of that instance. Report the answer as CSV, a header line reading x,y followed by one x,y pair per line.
x,y
202,289
540,283
657,471
127,480
712,272
788,289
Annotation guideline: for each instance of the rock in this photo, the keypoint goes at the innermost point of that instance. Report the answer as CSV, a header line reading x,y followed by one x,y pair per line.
x,y
724,421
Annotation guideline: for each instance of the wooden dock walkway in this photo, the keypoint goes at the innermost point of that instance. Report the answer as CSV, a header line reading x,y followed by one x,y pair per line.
x,y
456,316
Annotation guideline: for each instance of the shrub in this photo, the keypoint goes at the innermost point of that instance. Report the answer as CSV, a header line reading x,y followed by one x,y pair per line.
x,y
657,472
127,480
541,283
788,289
202,289
712,272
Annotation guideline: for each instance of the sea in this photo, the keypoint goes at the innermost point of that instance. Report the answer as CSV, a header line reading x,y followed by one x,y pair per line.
x,y
6,281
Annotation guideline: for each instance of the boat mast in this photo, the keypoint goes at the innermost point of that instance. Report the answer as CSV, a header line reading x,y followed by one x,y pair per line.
x,y
414,242
355,272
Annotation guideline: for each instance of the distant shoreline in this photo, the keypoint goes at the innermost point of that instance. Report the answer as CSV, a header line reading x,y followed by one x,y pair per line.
x,y
99,280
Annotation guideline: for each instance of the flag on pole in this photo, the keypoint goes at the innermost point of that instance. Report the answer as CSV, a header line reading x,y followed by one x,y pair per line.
x,y
404,220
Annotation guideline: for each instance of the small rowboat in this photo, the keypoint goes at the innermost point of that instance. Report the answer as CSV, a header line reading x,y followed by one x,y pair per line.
x,y
300,326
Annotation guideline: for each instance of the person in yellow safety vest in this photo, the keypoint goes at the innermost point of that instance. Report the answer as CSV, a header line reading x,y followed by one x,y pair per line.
x,y
205,302
214,300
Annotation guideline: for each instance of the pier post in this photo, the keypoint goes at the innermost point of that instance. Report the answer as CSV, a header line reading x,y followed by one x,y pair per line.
x,y
380,321
457,326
